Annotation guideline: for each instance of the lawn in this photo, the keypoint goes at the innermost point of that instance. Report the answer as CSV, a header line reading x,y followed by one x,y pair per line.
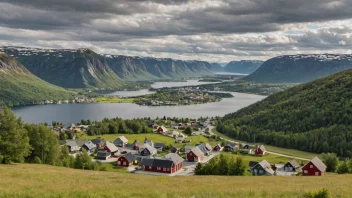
x,y
272,159
29,180
112,167
106,100
157,138
285,151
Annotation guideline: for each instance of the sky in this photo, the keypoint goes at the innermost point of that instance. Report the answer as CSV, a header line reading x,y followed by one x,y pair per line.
x,y
209,30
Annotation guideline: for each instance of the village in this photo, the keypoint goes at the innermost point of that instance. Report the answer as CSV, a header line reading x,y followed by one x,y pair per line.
x,y
75,100
144,156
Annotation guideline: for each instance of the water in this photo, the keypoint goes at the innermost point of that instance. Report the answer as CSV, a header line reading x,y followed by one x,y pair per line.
x,y
72,113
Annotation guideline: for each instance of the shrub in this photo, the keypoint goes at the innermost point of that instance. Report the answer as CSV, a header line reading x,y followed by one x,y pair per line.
x,y
323,193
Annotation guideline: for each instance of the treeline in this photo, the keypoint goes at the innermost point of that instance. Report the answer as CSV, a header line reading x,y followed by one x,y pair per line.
x,y
37,144
222,165
119,126
314,117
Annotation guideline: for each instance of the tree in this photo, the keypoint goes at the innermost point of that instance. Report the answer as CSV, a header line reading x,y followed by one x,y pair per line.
x,y
343,168
65,159
188,130
237,167
44,144
330,160
83,161
14,141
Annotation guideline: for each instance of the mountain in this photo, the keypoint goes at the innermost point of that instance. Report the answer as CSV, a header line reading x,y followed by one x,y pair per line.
x,y
216,67
81,68
18,86
300,68
137,68
243,66
315,117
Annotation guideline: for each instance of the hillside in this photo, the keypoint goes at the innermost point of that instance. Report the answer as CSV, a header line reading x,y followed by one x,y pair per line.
x,y
80,68
216,67
137,68
18,86
300,68
315,117
243,66
29,180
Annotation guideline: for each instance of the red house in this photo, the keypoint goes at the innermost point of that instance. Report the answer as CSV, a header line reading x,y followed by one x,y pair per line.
x,y
260,150
195,155
126,160
314,168
217,147
110,147
162,129
155,126
170,164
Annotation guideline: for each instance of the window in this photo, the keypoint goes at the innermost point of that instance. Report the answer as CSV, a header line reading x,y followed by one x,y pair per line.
x,y
164,169
317,173
168,169
119,162
124,163
261,171
150,167
311,166
158,168
305,171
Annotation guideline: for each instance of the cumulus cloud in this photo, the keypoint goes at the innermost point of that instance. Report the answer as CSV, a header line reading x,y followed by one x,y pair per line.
x,y
214,30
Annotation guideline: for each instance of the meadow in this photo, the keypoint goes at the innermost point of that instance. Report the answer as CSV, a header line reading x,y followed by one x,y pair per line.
x,y
29,180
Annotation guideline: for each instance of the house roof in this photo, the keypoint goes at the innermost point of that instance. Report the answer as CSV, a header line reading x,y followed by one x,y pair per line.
x,y
90,145
98,141
318,163
103,154
294,163
149,142
129,157
159,145
151,150
252,164
261,147
163,163
266,166
197,151
174,157
71,143
202,147
188,148
163,128
111,146
80,142
146,162
122,139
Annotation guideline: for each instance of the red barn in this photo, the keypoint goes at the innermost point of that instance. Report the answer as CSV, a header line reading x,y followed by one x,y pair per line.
x,y
314,168
195,155
260,150
162,129
170,164
126,160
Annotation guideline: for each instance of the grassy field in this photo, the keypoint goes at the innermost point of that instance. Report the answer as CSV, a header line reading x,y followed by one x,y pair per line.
x,y
26,180
106,100
157,138
272,159
275,149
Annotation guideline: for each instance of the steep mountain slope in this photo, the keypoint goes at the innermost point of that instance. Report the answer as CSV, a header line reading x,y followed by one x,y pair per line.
x,y
300,68
243,66
80,68
216,67
136,68
315,116
18,86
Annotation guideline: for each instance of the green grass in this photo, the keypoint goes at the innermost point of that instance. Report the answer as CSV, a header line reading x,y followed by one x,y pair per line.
x,y
272,159
285,151
29,180
106,100
112,167
157,138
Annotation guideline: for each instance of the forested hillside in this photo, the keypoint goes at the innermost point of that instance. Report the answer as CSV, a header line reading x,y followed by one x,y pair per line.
x,y
243,66
315,117
18,86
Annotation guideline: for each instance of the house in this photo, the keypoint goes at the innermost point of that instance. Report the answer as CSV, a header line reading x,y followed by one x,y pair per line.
x,y
148,151
262,168
231,146
291,166
72,146
103,155
121,141
171,163
155,126
126,160
217,147
314,168
175,150
247,149
159,146
188,149
89,146
110,147
251,164
260,150
195,155
136,145
162,129
99,142
205,148
174,134
149,142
